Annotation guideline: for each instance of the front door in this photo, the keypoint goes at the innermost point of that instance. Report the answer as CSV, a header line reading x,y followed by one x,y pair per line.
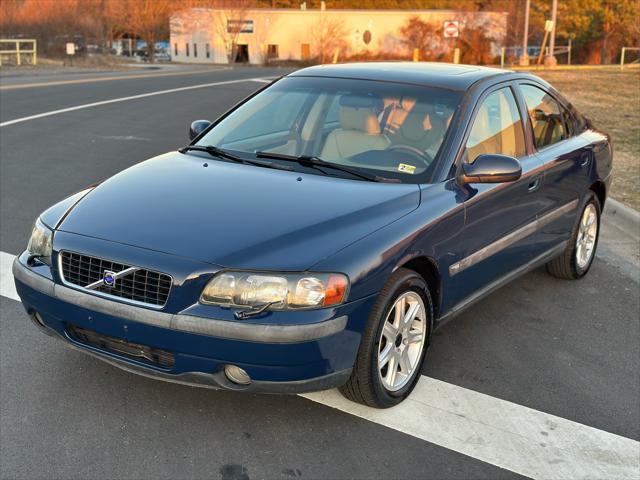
x,y
499,233
242,53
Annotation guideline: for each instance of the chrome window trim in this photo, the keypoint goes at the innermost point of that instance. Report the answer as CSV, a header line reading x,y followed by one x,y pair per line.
x,y
510,239
106,295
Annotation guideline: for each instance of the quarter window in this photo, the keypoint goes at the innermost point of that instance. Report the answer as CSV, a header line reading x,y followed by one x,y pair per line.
x,y
548,118
497,127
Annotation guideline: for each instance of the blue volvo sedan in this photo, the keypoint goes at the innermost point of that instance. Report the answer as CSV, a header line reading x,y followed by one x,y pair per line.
x,y
317,233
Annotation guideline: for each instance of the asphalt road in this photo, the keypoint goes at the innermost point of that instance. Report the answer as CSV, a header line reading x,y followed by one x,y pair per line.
x,y
569,349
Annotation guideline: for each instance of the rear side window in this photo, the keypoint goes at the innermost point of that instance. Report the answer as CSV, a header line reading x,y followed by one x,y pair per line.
x,y
497,127
550,121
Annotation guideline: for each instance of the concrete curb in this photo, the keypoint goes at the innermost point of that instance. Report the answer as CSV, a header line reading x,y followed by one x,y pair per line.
x,y
623,217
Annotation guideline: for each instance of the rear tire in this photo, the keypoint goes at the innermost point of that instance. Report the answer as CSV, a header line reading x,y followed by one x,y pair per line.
x,y
386,371
578,257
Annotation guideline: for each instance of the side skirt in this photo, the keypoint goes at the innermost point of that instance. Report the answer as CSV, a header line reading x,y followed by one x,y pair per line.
x,y
500,282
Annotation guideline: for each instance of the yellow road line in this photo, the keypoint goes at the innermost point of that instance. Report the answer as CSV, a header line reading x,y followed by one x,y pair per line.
x,y
106,79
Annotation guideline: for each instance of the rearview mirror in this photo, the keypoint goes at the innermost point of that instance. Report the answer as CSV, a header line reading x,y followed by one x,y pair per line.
x,y
197,127
492,168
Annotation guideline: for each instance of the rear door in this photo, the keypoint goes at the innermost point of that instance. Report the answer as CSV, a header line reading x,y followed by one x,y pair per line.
x,y
499,231
567,157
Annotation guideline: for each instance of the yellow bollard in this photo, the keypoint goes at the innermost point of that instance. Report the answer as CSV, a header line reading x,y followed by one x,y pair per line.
x,y
622,58
416,54
336,54
502,57
18,53
456,55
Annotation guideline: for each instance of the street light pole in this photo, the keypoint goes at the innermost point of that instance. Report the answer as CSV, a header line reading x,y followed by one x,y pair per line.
x,y
524,57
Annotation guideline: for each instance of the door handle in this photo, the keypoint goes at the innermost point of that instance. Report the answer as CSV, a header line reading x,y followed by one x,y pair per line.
x,y
534,184
585,161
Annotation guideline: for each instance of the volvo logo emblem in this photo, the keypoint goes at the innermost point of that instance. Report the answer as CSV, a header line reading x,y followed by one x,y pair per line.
x,y
109,278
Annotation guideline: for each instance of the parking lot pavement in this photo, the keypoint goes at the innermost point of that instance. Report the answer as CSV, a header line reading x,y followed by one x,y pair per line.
x,y
538,349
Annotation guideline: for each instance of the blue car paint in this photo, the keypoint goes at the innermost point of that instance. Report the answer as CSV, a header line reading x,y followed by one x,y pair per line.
x,y
158,214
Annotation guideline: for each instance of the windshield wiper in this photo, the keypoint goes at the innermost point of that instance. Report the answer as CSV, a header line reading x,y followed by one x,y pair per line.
x,y
316,162
222,153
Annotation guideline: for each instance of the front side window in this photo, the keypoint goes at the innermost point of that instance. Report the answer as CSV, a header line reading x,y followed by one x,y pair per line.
x,y
497,127
547,116
380,127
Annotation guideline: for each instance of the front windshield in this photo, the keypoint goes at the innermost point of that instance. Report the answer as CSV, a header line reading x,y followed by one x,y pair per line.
x,y
389,129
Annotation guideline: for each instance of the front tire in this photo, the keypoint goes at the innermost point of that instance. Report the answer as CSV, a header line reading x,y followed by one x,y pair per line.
x,y
393,344
577,258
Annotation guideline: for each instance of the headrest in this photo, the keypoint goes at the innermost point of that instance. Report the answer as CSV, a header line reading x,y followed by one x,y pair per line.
x,y
418,122
361,101
361,119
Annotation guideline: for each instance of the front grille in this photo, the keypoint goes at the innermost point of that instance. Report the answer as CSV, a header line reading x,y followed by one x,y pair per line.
x,y
136,351
141,285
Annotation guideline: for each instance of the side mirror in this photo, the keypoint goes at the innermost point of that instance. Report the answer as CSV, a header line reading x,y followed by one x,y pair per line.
x,y
492,168
197,127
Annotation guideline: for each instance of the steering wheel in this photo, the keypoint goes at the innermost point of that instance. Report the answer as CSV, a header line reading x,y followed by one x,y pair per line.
x,y
424,157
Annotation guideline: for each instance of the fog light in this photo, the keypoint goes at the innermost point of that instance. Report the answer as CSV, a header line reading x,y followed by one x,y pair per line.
x,y
237,375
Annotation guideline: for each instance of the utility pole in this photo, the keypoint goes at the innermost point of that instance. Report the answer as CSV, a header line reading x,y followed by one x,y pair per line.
x,y
524,58
550,60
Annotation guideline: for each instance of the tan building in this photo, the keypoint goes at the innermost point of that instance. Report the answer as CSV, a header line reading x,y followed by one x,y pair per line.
x,y
209,35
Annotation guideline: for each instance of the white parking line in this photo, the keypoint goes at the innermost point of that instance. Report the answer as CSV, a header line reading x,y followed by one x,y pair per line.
x,y
124,99
510,436
7,285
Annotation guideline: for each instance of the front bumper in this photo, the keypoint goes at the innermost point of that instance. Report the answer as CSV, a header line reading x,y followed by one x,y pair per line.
x,y
279,358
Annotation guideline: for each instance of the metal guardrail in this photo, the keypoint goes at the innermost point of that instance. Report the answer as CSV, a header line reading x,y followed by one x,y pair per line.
x,y
19,53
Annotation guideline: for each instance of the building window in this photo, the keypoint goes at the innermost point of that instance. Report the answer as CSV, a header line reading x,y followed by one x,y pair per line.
x,y
207,50
195,49
186,49
175,49
272,51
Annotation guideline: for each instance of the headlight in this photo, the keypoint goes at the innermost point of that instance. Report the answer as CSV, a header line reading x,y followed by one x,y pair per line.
x,y
40,242
279,291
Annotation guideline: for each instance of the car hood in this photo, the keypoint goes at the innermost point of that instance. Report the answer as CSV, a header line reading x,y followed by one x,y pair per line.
x,y
236,215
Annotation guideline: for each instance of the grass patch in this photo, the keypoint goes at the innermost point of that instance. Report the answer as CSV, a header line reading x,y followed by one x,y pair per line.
x,y
611,98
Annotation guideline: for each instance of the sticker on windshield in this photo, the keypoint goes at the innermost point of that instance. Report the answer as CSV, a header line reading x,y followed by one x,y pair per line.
x,y
403,167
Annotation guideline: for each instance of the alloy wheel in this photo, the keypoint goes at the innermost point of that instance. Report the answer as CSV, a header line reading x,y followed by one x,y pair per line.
x,y
587,234
402,340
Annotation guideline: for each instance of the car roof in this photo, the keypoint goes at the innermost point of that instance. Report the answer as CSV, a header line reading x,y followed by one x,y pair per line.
x,y
442,75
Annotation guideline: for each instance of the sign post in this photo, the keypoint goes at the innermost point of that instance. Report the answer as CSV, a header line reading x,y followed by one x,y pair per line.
x,y
71,51
548,27
451,29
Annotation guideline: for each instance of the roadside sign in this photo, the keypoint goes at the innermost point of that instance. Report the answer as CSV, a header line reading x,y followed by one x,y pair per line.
x,y
451,29
71,48
548,25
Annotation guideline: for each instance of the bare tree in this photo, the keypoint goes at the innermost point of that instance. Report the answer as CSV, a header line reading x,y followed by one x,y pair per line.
x,y
328,36
417,33
229,23
147,19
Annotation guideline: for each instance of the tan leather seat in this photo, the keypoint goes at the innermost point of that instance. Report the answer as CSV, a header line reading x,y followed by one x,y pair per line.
x,y
359,132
